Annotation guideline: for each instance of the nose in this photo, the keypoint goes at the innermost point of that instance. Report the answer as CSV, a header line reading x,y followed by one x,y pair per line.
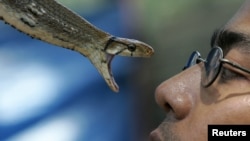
x,y
178,94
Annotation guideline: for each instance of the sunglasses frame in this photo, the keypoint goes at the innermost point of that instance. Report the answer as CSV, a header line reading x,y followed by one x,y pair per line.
x,y
195,58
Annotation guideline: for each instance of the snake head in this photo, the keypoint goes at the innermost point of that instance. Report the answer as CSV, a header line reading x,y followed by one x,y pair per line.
x,y
102,59
128,47
123,47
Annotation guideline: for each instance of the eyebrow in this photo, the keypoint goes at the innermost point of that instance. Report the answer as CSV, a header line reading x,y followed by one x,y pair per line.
x,y
226,39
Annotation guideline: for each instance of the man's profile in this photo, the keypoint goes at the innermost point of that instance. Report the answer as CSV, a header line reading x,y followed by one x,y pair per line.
x,y
211,90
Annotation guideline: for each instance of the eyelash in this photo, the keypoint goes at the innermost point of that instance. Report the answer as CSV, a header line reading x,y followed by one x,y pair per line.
x,y
227,74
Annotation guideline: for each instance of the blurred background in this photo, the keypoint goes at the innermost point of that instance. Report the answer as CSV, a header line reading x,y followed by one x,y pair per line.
x,y
54,94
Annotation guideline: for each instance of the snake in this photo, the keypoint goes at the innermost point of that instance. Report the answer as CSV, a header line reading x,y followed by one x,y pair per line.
x,y
51,22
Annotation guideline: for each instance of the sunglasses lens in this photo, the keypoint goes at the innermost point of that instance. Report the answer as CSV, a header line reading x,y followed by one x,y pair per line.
x,y
193,59
212,66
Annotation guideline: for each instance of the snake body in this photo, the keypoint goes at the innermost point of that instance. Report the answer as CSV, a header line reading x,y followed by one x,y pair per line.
x,y
51,22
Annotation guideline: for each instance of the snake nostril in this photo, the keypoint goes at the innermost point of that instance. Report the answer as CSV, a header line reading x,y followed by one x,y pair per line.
x,y
149,52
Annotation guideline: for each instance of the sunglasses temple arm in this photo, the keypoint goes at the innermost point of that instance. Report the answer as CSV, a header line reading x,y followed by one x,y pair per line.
x,y
235,65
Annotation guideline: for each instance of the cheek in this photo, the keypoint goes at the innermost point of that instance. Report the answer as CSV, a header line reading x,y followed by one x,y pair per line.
x,y
246,100
232,110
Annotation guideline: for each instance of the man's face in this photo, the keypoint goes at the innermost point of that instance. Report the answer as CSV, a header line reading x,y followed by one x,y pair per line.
x,y
191,107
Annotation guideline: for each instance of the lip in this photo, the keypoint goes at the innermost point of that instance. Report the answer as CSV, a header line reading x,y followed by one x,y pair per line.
x,y
155,136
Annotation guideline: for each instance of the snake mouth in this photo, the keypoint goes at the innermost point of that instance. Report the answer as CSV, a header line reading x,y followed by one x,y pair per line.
x,y
110,79
110,58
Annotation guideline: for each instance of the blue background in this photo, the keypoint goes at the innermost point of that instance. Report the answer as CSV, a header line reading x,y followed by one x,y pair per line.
x,y
51,93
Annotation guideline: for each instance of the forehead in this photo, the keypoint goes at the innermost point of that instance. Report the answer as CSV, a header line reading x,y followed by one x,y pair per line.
x,y
237,31
240,22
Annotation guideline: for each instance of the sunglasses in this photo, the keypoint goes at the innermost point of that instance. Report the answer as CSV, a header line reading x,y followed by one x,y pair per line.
x,y
212,64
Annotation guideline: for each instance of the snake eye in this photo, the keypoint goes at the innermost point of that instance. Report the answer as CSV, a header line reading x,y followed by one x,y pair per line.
x,y
131,47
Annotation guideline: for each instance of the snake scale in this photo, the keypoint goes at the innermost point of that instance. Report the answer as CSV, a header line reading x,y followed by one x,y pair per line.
x,y
51,22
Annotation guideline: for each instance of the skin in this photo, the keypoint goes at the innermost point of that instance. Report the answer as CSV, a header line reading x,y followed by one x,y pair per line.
x,y
190,107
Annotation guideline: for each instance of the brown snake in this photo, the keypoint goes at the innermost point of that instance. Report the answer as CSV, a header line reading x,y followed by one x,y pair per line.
x,y
49,21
